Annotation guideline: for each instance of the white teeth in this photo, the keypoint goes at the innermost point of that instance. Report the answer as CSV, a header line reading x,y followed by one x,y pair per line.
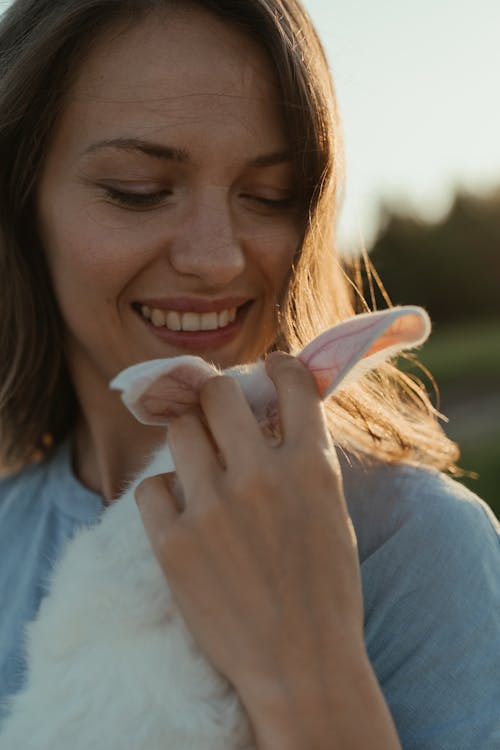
x,y
223,318
174,322
188,321
157,318
191,321
209,321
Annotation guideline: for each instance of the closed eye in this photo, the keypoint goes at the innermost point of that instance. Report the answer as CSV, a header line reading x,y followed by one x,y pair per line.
x,y
136,200
271,203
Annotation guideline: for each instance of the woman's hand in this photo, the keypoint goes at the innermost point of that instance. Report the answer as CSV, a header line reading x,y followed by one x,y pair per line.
x,y
262,560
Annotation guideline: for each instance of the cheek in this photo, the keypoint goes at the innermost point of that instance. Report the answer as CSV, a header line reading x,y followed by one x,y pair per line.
x,y
275,251
276,256
86,257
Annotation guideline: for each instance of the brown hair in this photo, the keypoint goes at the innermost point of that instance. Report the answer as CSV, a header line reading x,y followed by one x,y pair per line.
x,y
386,415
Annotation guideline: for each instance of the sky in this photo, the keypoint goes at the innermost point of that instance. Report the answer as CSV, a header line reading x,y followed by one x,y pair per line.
x,y
418,89
418,92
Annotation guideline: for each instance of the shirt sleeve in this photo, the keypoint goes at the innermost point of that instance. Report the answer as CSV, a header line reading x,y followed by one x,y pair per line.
x,y
432,619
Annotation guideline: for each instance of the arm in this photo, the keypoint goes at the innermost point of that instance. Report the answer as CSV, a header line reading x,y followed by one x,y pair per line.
x,y
432,609
263,565
349,714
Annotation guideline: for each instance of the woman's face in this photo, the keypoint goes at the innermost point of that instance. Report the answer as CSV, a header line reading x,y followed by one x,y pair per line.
x,y
166,202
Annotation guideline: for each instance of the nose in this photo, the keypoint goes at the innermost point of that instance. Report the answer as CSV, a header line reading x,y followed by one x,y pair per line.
x,y
205,244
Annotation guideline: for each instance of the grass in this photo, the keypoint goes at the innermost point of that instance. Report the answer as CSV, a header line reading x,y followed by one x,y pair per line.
x,y
464,352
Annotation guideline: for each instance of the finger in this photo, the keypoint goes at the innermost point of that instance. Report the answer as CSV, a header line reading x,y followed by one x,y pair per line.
x,y
195,455
157,507
229,418
299,403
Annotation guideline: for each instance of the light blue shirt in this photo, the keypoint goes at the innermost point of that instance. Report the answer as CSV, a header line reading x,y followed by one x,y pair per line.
x,y
430,563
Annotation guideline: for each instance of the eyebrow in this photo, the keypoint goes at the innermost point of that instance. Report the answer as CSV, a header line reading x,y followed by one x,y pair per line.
x,y
146,147
179,155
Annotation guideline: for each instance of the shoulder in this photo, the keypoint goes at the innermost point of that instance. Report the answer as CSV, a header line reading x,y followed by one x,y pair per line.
x,y
425,539
24,555
430,553
48,486
419,509
18,489
41,507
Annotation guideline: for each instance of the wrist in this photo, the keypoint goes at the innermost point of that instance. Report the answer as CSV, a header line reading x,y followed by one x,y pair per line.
x,y
339,706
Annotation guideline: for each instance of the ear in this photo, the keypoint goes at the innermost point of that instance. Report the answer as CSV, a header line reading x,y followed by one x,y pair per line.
x,y
359,344
161,388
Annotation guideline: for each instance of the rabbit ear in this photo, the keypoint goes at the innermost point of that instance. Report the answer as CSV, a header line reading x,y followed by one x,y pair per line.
x,y
346,351
161,388
156,390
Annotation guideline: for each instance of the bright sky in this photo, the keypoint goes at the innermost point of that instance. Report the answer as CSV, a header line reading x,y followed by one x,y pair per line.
x,y
418,89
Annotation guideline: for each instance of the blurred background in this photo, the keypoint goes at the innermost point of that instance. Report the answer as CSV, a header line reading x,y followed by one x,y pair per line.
x,y
416,84
418,92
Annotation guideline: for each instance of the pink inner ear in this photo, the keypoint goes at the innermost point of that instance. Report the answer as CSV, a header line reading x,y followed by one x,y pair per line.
x,y
361,343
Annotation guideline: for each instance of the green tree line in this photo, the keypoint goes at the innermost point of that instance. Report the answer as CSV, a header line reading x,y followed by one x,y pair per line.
x,y
451,267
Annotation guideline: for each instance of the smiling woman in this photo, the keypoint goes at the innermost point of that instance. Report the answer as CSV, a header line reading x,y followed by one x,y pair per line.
x,y
159,201
169,180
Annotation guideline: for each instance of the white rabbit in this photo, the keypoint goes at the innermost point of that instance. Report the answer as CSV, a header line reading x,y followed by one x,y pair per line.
x,y
111,663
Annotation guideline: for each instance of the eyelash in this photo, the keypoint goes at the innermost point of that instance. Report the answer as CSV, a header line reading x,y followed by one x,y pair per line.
x,y
275,203
152,200
136,200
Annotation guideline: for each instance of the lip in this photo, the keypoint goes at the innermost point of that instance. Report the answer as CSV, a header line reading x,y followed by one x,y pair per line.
x,y
192,304
197,342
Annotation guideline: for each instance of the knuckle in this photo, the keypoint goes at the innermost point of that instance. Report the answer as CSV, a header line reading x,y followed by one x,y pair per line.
x,y
255,480
304,464
314,460
205,517
217,387
181,424
288,370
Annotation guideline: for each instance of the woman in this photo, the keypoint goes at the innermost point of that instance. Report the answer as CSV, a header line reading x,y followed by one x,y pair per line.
x,y
169,182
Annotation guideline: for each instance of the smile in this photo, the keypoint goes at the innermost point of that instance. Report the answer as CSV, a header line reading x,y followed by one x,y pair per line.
x,y
188,321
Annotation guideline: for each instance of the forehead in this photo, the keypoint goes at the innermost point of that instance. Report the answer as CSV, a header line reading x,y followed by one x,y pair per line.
x,y
174,65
